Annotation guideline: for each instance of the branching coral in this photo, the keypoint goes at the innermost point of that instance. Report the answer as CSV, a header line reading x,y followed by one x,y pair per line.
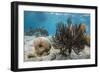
x,y
70,37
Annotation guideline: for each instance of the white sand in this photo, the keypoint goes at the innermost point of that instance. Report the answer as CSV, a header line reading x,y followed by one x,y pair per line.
x,y
54,53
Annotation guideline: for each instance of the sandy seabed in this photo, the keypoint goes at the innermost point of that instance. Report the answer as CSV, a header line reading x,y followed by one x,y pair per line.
x,y
54,53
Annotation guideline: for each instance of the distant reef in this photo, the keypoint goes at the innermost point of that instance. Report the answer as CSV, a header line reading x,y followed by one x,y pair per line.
x,y
37,32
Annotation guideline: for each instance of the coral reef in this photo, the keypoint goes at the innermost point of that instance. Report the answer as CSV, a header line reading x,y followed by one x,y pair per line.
x,y
37,32
71,41
71,37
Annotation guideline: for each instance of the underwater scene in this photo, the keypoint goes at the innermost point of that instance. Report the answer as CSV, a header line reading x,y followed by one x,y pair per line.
x,y
52,36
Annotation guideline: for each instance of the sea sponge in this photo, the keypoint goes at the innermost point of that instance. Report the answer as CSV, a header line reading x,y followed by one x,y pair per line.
x,y
42,46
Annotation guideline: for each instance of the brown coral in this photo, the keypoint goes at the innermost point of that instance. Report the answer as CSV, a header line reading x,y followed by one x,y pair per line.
x,y
70,37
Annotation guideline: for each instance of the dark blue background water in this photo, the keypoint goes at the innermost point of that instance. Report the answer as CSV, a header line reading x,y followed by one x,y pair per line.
x,y
48,20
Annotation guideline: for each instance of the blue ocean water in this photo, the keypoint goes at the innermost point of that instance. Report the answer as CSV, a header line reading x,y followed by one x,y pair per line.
x,y
48,20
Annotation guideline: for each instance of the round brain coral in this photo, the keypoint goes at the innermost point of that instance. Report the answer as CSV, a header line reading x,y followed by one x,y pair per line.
x,y
42,46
